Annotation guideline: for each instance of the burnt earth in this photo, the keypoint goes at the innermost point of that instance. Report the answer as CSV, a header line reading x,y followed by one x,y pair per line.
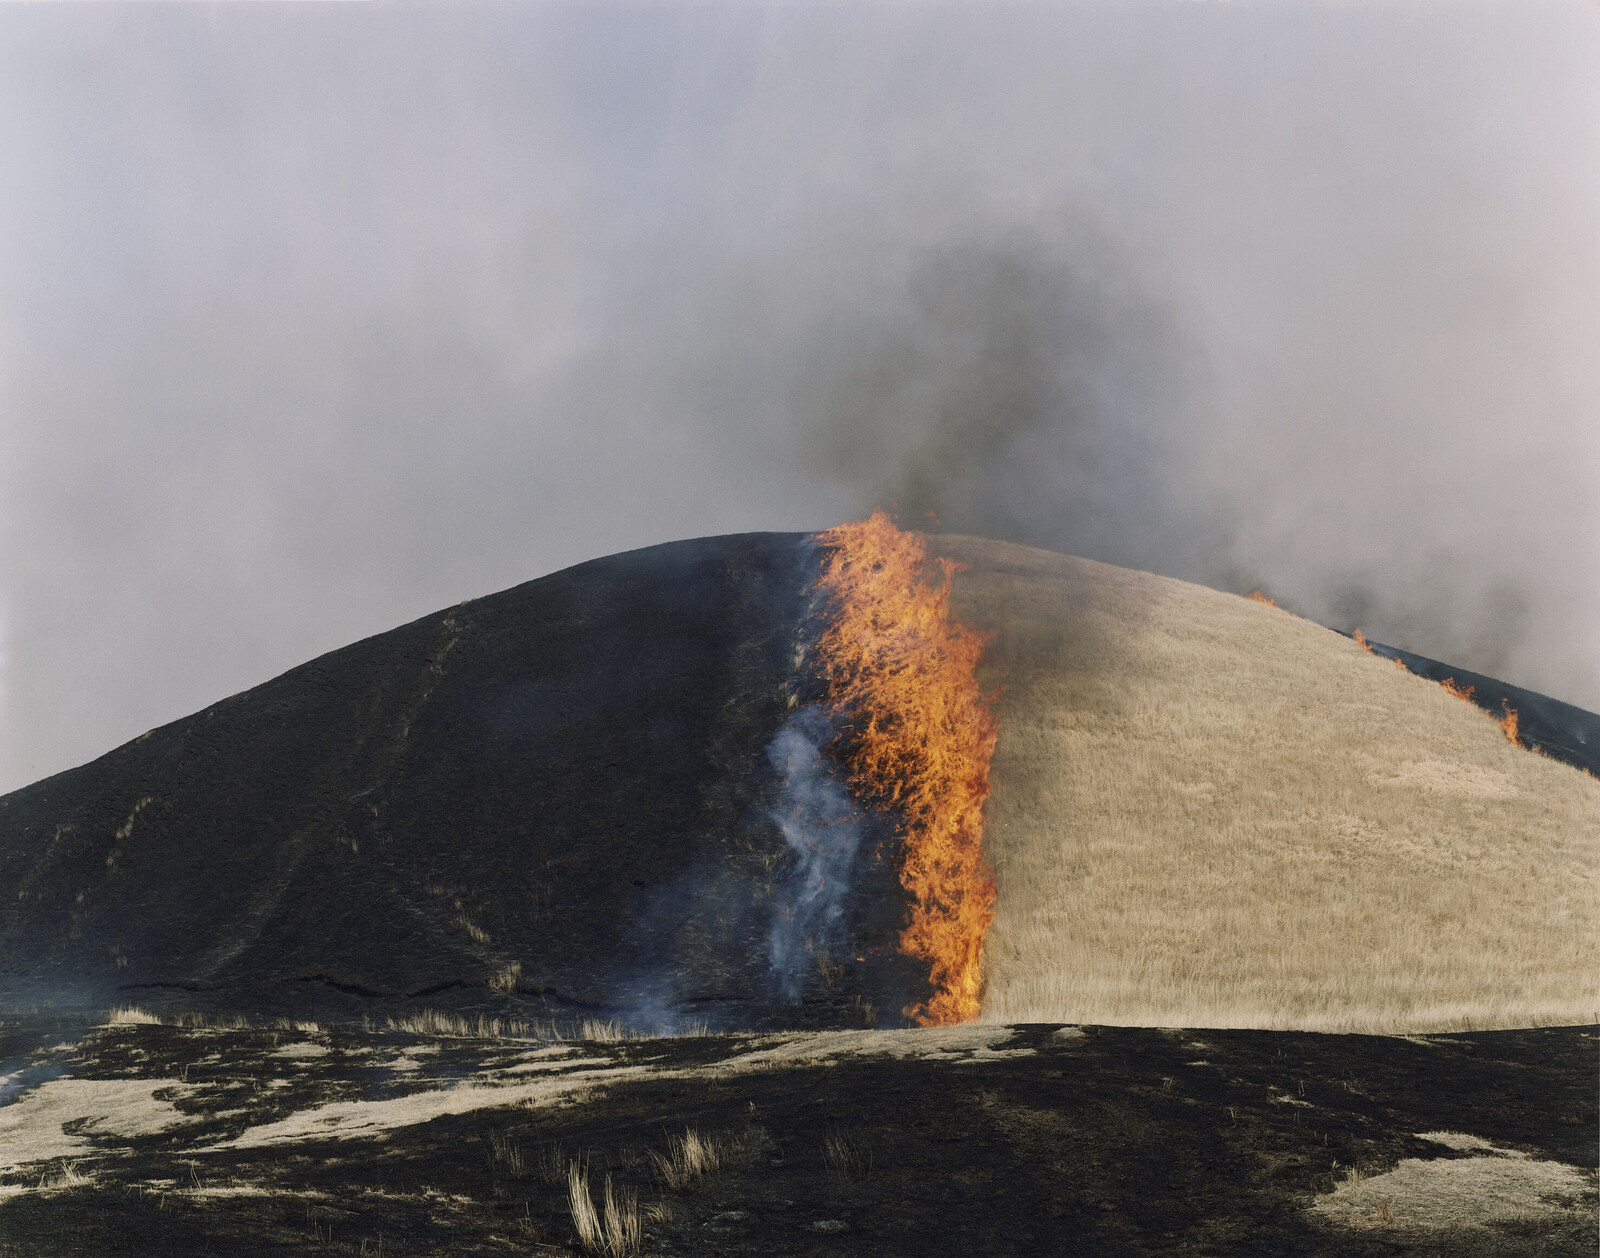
x,y
994,1141
554,801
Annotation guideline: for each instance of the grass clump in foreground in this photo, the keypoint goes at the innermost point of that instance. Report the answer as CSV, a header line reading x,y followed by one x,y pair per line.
x,y
689,1158
613,1229
846,1154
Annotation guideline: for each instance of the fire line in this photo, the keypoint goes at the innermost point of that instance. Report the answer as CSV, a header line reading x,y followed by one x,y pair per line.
x,y
917,738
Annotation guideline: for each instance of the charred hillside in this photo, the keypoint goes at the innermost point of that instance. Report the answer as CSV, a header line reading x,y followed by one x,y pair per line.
x,y
553,798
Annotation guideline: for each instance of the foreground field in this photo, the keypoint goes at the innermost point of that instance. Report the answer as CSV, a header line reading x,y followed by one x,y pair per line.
x,y
144,1138
1208,812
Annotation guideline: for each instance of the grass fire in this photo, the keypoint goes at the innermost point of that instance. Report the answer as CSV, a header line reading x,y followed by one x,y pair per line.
x,y
530,925
917,737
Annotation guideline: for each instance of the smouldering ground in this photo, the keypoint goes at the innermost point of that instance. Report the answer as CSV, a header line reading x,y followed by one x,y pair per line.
x,y
150,1139
1208,812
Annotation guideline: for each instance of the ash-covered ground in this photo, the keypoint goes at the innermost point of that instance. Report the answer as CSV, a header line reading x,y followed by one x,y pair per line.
x,y
162,1139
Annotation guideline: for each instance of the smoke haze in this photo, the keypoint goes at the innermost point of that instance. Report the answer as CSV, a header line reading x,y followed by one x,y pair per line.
x,y
316,318
822,826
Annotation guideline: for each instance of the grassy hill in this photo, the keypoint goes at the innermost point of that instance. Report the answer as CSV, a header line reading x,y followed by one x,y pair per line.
x,y
555,802
1208,812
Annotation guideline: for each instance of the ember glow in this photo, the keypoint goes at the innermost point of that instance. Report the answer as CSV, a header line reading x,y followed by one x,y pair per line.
x,y
916,737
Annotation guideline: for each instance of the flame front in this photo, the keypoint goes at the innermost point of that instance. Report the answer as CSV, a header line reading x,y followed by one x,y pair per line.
x,y
917,737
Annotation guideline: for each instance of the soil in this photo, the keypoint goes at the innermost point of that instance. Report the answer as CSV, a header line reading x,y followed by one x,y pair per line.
x,y
969,1140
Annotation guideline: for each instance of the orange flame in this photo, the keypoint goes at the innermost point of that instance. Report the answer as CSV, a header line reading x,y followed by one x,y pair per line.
x,y
1361,641
1258,597
919,737
1508,722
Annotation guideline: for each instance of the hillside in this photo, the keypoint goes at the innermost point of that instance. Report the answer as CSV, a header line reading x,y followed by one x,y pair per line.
x,y
1208,812
555,802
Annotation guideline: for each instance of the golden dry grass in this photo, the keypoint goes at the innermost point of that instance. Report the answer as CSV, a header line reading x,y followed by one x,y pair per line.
x,y
131,1015
689,1158
1208,812
437,1022
613,1229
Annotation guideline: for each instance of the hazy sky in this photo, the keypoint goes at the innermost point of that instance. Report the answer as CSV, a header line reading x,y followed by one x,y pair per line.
x,y
315,318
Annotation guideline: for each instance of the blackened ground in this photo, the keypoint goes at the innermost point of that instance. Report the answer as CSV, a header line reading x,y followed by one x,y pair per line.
x,y
994,1141
550,802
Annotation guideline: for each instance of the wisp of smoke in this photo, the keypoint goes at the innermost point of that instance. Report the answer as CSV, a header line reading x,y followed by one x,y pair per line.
x,y
823,828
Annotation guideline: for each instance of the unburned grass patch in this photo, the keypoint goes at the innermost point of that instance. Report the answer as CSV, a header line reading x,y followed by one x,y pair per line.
x,y
689,1158
613,1228
1207,812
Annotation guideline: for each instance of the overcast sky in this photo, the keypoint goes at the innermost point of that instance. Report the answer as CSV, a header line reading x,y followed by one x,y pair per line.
x,y
315,318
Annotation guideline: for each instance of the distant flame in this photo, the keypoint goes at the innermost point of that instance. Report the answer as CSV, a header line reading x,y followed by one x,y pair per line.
x,y
1508,722
1258,597
918,737
1361,641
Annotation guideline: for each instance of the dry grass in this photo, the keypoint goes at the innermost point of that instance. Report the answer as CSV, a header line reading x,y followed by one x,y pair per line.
x,y
1495,1189
506,1154
660,1212
131,1015
66,1179
689,1158
846,1154
434,1022
604,1031
613,1229
507,979
554,1164
1208,812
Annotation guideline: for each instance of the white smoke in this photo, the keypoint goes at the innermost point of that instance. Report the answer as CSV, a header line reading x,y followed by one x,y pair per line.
x,y
823,828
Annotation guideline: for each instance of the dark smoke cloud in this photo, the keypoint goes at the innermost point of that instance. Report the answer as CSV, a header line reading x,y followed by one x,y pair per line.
x,y
316,318
1020,386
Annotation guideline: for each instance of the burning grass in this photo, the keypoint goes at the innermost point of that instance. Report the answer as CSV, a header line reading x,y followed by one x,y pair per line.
x,y
918,738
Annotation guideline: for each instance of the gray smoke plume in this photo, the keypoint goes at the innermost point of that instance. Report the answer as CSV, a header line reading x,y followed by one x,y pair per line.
x,y
823,828
1020,384
316,318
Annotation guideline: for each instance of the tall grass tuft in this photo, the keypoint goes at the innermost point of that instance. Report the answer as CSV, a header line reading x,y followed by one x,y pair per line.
x,y
847,1154
612,1230
131,1015
608,1031
689,1158
434,1022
